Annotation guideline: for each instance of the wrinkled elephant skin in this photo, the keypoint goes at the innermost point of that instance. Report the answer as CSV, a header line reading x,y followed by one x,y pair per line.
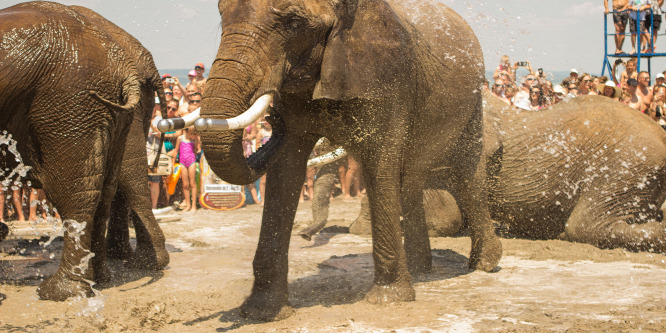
x,y
133,195
378,80
67,95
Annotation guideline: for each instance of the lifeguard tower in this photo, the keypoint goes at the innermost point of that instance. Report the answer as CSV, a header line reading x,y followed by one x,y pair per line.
x,y
639,54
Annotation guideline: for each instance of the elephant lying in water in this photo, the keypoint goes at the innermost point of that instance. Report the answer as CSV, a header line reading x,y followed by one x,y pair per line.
x,y
589,170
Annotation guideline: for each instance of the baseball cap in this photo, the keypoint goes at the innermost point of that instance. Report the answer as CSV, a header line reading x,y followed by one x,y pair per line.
x,y
632,82
573,70
199,64
192,73
660,76
165,76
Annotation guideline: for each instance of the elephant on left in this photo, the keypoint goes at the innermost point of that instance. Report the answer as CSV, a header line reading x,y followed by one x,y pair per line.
x,y
68,95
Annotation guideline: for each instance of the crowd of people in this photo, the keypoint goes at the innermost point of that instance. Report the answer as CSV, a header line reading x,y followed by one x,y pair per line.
x,y
535,91
184,147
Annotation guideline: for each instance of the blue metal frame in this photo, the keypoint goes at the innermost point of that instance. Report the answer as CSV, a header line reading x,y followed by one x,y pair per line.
x,y
638,55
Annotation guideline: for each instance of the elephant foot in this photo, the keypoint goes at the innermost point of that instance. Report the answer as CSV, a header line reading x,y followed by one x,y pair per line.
x,y
4,231
152,258
305,235
392,293
486,255
265,307
102,275
59,288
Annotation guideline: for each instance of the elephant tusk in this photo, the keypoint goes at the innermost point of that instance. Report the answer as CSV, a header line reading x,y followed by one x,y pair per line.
x,y
255,112
174,124
327,158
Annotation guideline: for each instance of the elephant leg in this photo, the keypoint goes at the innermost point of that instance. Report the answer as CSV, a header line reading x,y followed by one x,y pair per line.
x,y
417,241
362,224
76,202
284,180
150,251
4,231
636,229
117,237
392,282
322,198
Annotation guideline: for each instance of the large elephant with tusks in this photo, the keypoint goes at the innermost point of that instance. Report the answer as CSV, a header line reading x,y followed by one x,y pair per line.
x,y
398,87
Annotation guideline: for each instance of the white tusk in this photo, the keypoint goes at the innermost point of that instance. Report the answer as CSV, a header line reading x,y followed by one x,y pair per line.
x,y
255,112
327,158
174,124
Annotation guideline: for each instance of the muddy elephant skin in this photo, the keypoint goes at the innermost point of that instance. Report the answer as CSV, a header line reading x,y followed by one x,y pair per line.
x,y
67,96
399,93
133,195
589,170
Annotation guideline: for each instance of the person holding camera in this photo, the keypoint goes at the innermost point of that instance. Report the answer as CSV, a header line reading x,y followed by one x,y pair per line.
x,y
504,66
620,18
628,73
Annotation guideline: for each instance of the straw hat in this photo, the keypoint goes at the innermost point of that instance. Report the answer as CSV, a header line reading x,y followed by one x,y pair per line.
x,y
617,91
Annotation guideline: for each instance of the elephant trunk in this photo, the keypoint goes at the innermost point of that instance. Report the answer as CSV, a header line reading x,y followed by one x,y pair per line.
x,y
232,86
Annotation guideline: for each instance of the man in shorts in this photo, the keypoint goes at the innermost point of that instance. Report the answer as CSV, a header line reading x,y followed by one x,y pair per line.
x,y
654,19
620,18
637,21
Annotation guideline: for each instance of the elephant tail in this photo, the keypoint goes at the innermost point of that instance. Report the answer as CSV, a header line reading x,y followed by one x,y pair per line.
x,y
131,91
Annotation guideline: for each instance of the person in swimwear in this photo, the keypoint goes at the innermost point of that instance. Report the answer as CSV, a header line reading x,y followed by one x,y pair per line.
x,y
188,146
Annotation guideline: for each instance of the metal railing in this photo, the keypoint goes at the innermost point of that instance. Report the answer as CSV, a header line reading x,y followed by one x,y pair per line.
x,y
639,53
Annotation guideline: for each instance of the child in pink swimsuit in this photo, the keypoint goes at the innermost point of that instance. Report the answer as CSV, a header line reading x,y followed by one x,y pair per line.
x,y
187,146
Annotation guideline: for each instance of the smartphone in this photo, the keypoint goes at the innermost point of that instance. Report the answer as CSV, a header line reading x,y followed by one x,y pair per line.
x,y
170,80
522,63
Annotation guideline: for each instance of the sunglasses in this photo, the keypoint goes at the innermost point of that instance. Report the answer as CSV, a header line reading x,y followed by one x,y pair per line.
x,y
587,80
171,108
530,79
499,85
535,92
168,93
195,101
198,67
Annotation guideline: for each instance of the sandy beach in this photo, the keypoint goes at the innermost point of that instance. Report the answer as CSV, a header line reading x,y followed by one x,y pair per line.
x,y
542,286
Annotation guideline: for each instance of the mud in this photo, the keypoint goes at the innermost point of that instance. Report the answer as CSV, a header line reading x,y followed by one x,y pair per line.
x,y
542,286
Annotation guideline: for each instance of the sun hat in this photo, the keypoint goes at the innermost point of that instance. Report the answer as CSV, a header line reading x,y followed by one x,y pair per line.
x,y
616,90
660,76
558,89
573,70
192,73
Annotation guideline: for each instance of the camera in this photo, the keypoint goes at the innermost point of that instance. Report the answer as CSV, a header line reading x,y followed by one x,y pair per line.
x,y
522,63
540,70
618,61
170,80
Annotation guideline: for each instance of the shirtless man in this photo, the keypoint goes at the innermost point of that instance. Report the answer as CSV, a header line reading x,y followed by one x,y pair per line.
x,y
620,20
644,92
628,73
634,102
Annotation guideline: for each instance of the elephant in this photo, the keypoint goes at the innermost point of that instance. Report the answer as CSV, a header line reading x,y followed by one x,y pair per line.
x,y
589,170
374,77
68,95
133,194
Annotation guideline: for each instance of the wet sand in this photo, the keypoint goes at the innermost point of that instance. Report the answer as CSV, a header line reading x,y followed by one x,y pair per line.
x,y
542,286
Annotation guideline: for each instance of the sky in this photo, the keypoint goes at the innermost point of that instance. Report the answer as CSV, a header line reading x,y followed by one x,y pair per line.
x,y
553,35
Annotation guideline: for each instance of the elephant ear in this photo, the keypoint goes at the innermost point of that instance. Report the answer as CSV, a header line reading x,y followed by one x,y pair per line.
x,y
367,53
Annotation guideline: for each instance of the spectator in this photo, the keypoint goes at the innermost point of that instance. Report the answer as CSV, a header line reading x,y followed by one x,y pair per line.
x,y
191,75
509,93
585,84
634,101
152,144
573,76
166,81
498,90
620,18
537,100
609,90
628,73
486,84
637,21
654,19
658,81
625,98
263,135
199,78
168,93
522,97
504,66
190,91
188,146
178,93
352,179
572,91
558,94
644,92
527,66
656,109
